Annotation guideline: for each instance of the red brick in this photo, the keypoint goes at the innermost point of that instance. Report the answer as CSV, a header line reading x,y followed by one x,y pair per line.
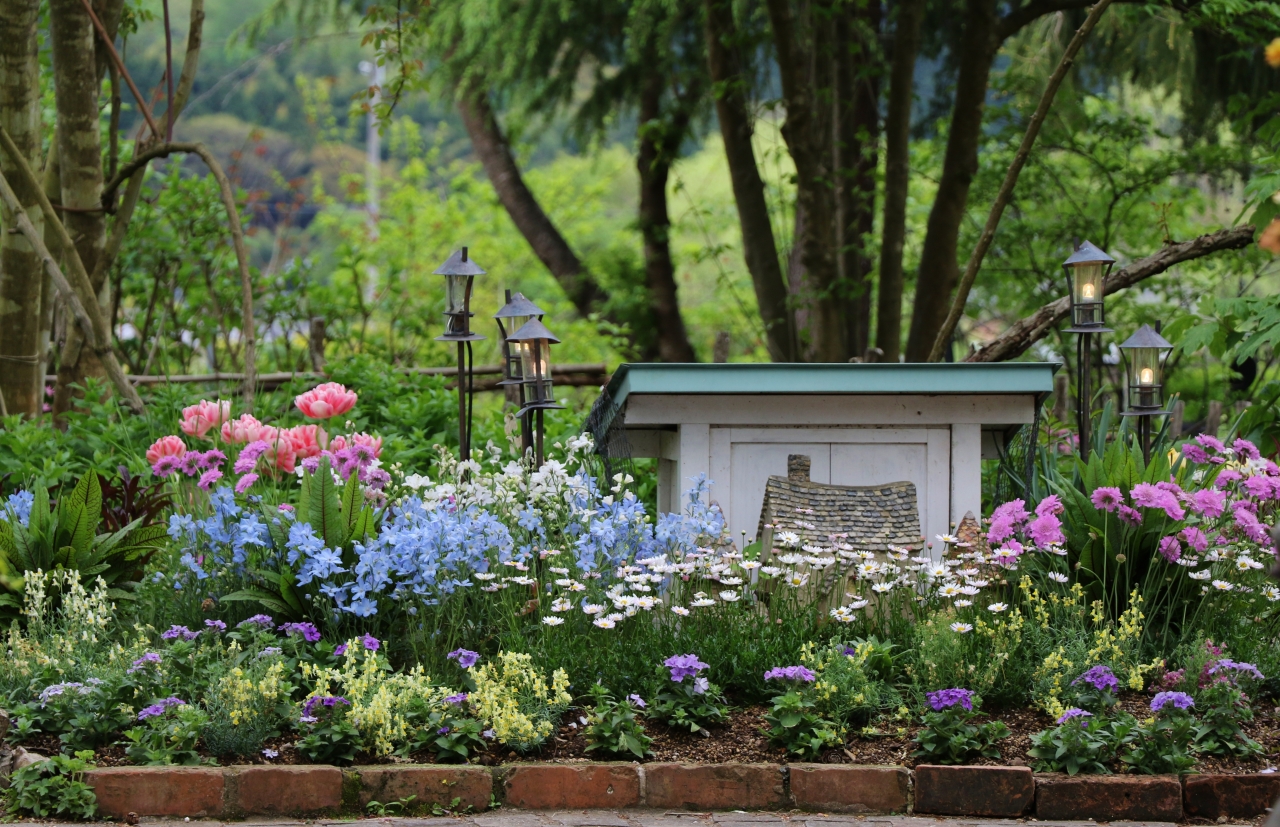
x,y
286,790
157,791
1230,796
572,787
473,786
1108,798
843,789
974,791
713,786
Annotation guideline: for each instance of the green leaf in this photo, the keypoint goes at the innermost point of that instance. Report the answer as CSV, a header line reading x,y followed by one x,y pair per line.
x,y
256,595
325,511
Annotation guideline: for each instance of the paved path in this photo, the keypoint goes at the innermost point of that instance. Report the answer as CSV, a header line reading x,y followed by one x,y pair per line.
x,y
639,818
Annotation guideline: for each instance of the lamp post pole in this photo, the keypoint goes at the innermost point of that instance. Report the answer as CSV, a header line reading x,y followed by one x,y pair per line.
x,y
1146,384
512,317
459,271
1087,269
533,342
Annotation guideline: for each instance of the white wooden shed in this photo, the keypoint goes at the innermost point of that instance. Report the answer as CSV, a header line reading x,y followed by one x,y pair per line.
x,y
861,424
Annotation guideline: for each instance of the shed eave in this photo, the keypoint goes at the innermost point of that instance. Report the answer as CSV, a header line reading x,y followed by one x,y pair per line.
x,y
832,378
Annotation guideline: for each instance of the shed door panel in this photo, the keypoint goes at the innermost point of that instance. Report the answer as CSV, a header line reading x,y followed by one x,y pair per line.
x,y
878,463
751,465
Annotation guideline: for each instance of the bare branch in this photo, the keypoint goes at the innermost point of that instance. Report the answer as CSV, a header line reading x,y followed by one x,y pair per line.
x,y
1011,180
1026,332
115,58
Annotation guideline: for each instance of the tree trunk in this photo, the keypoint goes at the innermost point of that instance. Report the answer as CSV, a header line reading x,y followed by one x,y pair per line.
x,y
499,164
857,139
939,269
897,174
759,247
658,144
21,271
75,76
805,47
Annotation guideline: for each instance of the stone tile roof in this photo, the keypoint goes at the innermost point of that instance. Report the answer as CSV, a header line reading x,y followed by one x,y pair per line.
x,y
873,516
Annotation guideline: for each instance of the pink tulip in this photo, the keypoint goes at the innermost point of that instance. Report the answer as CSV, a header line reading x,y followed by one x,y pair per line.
x,y
338,443
166,446
374,442
306,440
325,401
280,455
197,420
242,430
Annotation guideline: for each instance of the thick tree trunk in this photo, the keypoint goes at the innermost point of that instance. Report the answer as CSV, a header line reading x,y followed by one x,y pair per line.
x,y
21,271
1027,331
653,160
531,220
804,47
759,247
857,139
939,269
75,76
897,174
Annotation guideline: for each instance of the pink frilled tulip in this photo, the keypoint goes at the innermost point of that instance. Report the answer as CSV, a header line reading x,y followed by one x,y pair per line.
x,y
338,443
198,420
306,440
166,446
242,430
280,455
325,401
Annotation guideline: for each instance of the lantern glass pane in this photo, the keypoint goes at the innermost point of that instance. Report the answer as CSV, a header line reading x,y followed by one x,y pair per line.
x,y
1086,292
1144,377
528,359
455,294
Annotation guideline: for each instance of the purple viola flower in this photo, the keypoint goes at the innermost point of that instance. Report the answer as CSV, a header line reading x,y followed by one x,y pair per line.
x,y
215,626
308,631
1075,712
1099,677
327,701
1180,700
465,657
444,730
684,666
339,650
370,643
637,700
790,673
947,698
457,699
159,708
175,632
701,685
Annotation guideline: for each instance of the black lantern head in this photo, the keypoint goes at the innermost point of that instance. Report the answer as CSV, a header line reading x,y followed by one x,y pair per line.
x,y
458,271
1144,350
511,318
1087,268
532,345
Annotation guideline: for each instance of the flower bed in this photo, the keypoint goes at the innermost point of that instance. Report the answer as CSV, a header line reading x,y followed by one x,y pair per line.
x,y
326,610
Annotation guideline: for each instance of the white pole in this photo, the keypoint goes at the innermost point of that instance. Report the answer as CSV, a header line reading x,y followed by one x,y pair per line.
x,y
373,142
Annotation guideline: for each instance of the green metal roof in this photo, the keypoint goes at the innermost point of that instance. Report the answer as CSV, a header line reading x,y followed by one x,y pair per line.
x,y
835,378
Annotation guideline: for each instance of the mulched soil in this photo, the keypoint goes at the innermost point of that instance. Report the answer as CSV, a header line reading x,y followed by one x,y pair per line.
x,y
742,739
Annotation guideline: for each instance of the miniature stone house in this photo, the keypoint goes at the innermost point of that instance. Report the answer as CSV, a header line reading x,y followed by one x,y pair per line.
x,y
861,425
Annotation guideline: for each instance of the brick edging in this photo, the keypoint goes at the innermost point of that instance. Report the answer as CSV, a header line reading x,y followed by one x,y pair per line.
x,y
239,791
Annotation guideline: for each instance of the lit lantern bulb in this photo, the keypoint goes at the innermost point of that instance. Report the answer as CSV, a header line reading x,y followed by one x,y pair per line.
x,y
1086,291
1146,376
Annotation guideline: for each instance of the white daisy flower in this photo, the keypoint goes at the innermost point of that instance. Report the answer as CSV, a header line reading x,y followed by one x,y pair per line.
x,y
484,575
788,539
731,581
1204,574
962,604
552,620
604,622
1223,585
962,628
997,607
593,609
770,571
949,590
1271,593
842,615
1058,577
561,604
795,580
949,539
729,596
882,588
680,610
857,604
702,602
750,564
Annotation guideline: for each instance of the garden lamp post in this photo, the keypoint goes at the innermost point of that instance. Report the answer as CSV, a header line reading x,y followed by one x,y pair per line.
x,y
511,318
1143,372
532,343
459,271
1087,269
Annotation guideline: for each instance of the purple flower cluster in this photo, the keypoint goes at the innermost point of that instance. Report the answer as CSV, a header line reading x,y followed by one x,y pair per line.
x,y
1162,496
191,463
249,455
465,657
1233,670
790,673
1180,700
183,632
264,621
456,700
159,708
354,459
216,626
1099,677
1074,712
1106,498
141,663
327,701
947,698
308,631
684,666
